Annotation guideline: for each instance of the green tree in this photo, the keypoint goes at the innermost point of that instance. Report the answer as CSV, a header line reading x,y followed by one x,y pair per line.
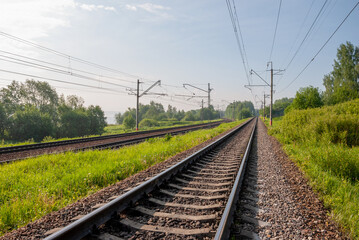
x,y
148,123
118,117
30,124
97,120
75,102
179,115
342,83
129,122
31,93
308,97
3,120
155,111
171,111
73,123
245,113
234,109
189,116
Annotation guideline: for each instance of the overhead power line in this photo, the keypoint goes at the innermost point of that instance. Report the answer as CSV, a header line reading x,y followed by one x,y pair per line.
x,y
275,31
326,42
240,34
300,30
307,34
60,81
64,67
65,55
234,24
56,70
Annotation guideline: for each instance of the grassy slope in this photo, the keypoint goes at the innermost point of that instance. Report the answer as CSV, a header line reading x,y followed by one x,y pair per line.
x,y
324,144
34,187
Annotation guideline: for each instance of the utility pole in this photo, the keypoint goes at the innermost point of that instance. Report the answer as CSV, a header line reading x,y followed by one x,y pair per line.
x,y
271,94
202,111
207,91
264,105
209,95
138,95
234,108
271,89
137,102
273,72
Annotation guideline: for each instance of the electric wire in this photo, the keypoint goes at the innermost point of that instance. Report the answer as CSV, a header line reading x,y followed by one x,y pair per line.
x,y
300,30
65,67
326,42
240,33
39,66
231,15
60,87
307,34
64,55
60,81
275,31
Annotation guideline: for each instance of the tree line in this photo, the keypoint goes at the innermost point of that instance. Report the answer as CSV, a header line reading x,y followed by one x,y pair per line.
x,y
240,110
341,85
151,114
34,110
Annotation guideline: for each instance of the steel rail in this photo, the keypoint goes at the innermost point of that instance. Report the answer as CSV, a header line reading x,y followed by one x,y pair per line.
x,y
91,221
223,229
89,139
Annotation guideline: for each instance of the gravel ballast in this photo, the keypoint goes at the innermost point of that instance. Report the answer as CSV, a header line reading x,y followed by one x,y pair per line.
x,y
286,206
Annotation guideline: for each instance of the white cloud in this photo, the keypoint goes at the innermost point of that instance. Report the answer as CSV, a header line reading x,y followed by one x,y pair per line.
x,y
155,9
34,18
131,7
152,8
92,7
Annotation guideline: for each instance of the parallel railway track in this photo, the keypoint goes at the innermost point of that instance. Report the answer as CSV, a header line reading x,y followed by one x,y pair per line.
x,y
193,199
11,154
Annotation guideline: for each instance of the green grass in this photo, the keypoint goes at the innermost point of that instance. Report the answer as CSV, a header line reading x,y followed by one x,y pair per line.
x,y
34,187
324,144
109,130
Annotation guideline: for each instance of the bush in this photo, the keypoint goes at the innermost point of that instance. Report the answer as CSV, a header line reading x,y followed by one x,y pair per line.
x,y
30,123
148,123
337,124
129,122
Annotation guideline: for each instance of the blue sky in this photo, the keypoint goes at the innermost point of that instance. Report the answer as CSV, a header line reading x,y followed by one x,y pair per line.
x,y
177,42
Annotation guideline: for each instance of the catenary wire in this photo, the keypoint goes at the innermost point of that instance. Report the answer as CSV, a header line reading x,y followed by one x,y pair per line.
x,y
39,66
60,81
307,34
300,29
326,42
65,67
240,33
231,15
275,31
64,55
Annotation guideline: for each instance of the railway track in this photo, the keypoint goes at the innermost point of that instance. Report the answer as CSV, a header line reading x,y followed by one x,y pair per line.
x,y
194,199
15,153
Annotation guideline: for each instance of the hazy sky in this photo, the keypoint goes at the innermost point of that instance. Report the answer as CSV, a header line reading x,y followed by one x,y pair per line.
x,y
178,41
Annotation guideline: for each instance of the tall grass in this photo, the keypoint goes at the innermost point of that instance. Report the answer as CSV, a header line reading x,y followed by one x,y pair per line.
x,y
324,143
34,187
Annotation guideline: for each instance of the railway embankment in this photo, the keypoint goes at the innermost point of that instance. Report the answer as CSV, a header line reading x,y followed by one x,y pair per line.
x,y
324,144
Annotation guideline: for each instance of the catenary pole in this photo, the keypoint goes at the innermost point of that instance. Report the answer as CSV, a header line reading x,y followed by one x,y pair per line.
x,y
137,102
